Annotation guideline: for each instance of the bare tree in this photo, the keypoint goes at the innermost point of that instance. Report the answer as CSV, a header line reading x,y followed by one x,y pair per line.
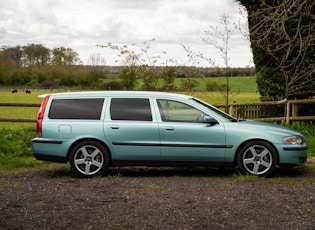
x,y
96,60
98,63
221,42
139,61
219,38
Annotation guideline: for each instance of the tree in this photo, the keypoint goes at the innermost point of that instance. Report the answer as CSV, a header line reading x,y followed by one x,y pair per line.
x,y
97,63
36,55
221,42
283,35
6,61
128,77
15,54
169,75
220,39
65,56
139,62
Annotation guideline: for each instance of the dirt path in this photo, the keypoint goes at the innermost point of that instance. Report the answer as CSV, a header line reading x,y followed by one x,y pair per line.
x,y
157,198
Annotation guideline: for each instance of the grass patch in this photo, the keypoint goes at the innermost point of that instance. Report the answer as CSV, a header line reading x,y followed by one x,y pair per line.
x,y
11,162
239,84
25,165
16,143
218,98
308,167
154,187
310,181
116,176
247,178
147,188
291,182
311,146
276,180
21,97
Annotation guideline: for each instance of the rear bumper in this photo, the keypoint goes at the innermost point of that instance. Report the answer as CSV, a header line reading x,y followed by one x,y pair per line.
x,y
45,157
50,150
46,141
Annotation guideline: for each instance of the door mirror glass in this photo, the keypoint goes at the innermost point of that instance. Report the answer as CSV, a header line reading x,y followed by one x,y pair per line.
x,y
210,120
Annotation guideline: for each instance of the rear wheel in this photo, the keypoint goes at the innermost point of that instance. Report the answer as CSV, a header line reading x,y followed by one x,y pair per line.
x,y
89,159
257,158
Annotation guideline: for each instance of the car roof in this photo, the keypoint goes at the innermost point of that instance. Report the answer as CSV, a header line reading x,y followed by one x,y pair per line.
x,y
116,93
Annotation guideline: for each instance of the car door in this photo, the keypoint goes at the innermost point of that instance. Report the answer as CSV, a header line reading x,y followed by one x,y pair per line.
x,y
185,136
132,130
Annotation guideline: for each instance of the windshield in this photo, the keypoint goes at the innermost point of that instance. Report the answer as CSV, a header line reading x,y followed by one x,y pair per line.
x,y
214,109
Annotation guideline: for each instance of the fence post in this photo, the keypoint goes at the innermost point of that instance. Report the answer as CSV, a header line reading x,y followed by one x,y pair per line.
x,y
231,110
288,105
294,110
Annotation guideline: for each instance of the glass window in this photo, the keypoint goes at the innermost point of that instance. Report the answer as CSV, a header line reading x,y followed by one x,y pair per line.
x,y
179,112
137,109
85,109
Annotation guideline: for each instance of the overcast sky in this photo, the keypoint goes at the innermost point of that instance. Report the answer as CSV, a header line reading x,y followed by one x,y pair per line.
x,y
83,24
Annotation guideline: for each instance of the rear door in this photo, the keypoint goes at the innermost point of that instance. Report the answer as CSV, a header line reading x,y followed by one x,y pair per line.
x,y
131,129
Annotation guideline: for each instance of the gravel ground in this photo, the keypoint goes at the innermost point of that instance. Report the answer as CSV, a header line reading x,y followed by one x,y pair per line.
x,y
157,198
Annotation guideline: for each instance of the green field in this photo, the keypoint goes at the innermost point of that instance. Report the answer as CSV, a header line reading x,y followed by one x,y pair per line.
x,y
237,84
244,89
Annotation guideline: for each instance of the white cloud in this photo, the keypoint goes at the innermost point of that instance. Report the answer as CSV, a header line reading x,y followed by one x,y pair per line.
x,y
83,24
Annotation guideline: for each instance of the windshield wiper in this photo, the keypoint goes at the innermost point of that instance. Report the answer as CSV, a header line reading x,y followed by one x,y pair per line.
x,y
237,119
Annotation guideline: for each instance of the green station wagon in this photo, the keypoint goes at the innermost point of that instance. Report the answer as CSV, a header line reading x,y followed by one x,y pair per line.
x,y
97,130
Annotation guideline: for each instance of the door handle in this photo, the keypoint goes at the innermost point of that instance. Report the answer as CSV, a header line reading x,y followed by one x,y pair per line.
x,y
114,126
169,128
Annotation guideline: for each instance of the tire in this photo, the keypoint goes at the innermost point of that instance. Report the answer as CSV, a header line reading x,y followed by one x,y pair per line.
x,y
257,158
89,159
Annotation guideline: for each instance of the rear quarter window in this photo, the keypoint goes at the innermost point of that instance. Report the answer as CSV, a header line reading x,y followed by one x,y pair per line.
x,y
85,109
137,109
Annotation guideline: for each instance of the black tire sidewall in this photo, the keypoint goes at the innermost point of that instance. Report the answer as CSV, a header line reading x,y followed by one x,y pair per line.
x,y
271,149
96,144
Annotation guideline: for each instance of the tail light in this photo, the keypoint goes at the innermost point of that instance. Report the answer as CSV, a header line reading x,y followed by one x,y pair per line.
x,y
39,124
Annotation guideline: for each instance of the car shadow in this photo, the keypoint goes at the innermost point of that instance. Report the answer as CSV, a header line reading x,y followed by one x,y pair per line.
x,y
134,171
170,172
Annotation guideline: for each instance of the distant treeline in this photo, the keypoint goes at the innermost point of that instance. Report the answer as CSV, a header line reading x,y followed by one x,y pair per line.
x,y
36,66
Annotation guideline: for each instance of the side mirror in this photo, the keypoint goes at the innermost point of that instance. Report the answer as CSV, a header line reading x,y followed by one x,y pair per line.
x,y
210,120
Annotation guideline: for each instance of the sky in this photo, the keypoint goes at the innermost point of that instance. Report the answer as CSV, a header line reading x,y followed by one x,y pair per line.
x,y
83,25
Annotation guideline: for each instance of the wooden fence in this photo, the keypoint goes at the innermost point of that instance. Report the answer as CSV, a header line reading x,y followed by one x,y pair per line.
x,y
259,110
254,111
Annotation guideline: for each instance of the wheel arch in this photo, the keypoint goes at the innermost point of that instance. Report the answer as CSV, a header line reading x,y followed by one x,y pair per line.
x,y
237,152
89,139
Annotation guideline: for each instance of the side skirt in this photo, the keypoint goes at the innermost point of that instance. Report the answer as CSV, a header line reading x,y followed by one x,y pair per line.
x,y
169,163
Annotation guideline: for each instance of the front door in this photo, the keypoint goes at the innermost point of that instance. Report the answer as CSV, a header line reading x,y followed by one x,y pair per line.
x,y
185,137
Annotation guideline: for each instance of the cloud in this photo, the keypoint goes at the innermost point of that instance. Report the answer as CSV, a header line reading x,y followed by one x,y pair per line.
x,y
83,24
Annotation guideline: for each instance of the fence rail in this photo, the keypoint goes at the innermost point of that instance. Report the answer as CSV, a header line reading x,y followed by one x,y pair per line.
x,y
254,111
259,110
14,114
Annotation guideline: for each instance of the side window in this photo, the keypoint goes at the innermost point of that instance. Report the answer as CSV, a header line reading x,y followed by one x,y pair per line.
x,y
175,111
85,109
137,109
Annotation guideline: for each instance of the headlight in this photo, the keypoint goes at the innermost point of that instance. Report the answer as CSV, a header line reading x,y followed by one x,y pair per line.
x,y
293,140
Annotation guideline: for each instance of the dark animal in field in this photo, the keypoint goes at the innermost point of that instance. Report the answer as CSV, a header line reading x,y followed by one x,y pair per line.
x,y
28,91
14,91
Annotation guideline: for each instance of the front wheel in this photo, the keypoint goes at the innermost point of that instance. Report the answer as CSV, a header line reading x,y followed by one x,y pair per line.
x,y
89,159
257,158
